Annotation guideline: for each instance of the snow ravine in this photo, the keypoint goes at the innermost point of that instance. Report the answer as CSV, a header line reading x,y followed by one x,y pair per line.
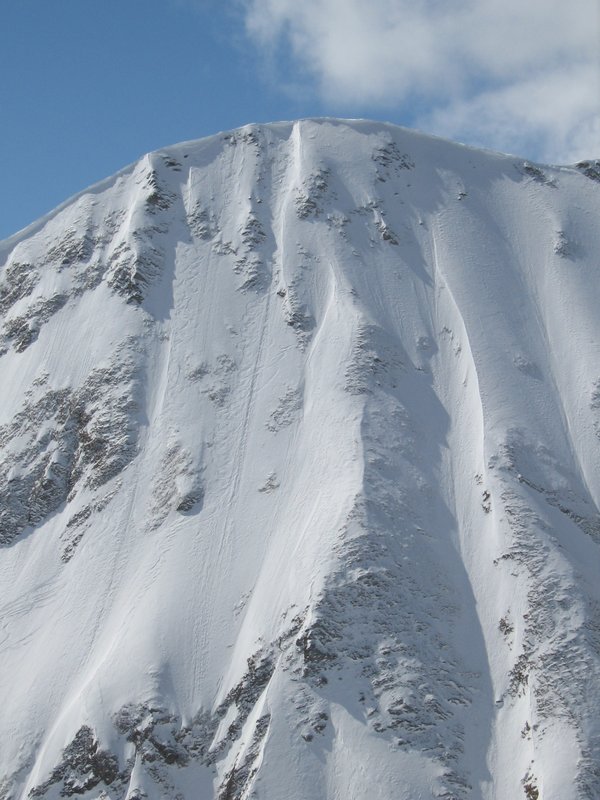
x,y
300,476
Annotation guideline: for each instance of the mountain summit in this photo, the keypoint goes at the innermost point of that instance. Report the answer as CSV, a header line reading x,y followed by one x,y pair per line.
x,y
300,476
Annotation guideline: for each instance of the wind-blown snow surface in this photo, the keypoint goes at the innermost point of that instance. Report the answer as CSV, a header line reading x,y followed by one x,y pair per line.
x,y
300,476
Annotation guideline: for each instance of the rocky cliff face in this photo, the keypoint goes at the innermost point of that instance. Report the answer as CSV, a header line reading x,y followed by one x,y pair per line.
x,y
299,458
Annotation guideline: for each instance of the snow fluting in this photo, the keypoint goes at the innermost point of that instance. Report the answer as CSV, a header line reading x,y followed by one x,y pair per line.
x,y
299,457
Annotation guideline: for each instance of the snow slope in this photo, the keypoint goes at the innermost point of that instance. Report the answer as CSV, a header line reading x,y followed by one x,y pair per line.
x,y
300,469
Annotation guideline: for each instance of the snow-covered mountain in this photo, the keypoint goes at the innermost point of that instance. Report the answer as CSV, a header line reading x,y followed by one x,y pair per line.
x,y
300,458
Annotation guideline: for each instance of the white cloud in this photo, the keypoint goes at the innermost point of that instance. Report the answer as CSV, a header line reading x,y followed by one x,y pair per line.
x,y
553,114
509,74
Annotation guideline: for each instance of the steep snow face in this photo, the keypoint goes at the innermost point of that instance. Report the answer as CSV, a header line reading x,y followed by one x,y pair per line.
x,y
300,476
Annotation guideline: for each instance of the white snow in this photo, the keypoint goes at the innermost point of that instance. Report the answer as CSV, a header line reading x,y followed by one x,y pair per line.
x,y
362,380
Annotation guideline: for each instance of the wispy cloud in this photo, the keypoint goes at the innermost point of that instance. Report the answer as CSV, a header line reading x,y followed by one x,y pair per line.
x,y
510,74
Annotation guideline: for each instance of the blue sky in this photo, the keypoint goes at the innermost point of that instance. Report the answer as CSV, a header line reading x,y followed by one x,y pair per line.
x,y
86,86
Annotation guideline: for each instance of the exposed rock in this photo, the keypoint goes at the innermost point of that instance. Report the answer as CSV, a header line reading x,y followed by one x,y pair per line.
x,y
64,437
84,766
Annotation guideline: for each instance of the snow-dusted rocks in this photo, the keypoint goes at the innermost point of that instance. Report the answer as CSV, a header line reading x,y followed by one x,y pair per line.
x,y
299,458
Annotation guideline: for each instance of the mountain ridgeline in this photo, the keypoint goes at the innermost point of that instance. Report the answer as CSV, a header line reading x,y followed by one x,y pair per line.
x,y
300,476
